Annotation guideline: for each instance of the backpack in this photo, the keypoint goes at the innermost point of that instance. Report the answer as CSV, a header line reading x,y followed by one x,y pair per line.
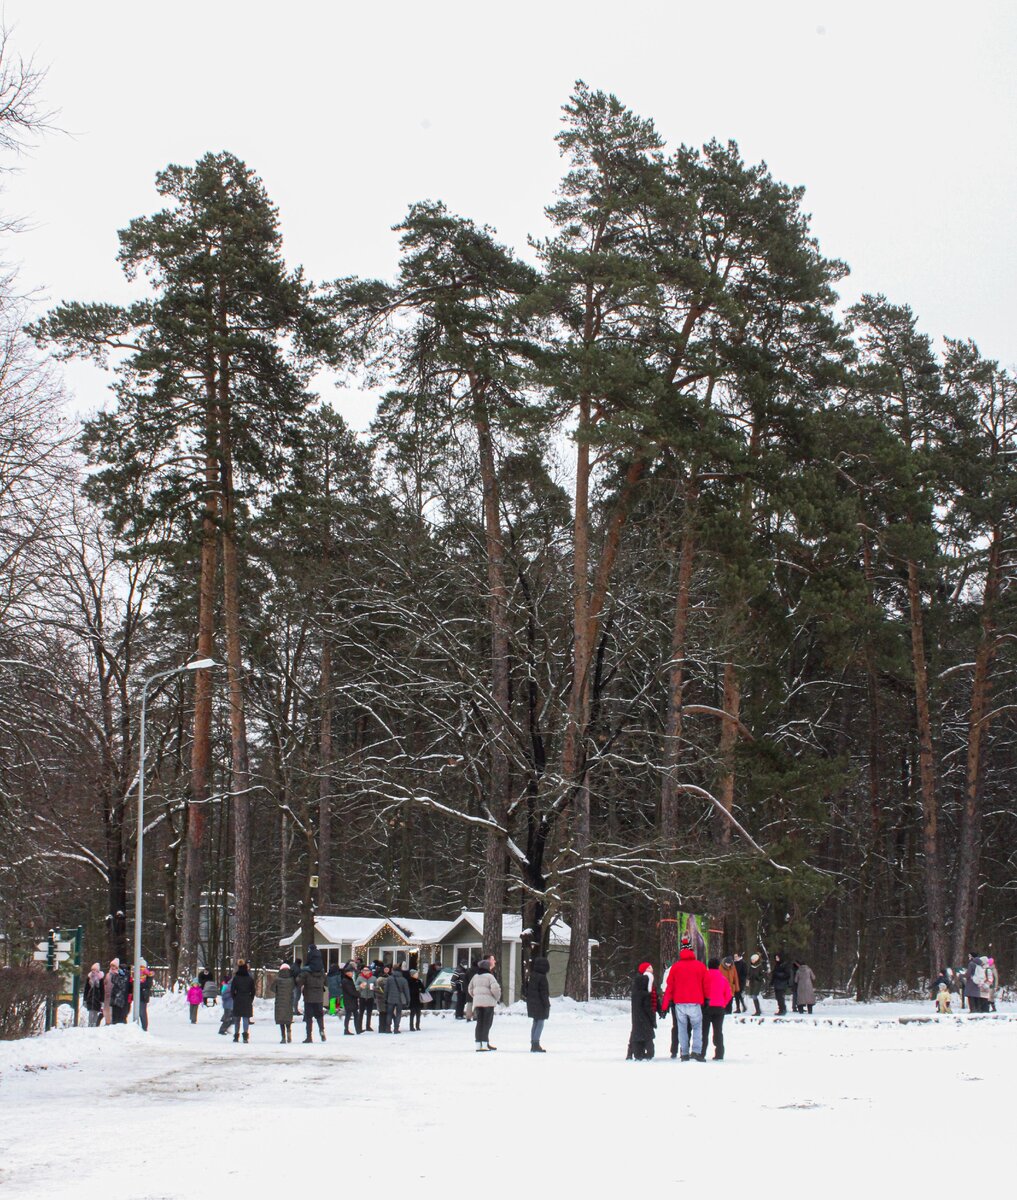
x,y
978,976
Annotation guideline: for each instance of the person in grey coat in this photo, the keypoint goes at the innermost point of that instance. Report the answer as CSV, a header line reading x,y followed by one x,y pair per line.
x,y
283,989
806,981
397,997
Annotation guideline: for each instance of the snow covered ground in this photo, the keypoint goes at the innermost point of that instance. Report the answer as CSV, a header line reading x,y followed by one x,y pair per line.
x,y
846,1100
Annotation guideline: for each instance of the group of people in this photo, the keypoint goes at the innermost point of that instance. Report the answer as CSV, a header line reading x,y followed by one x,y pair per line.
x,y
108,995
359,992
975,985
699,995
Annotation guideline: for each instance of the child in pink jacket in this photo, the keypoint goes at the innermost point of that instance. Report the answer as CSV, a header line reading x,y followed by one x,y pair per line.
x,y
718,997
194,998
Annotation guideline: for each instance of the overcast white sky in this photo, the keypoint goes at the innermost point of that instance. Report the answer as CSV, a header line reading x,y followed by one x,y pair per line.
x,y
898,117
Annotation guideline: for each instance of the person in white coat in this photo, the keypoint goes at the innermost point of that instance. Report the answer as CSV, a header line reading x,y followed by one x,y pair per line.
x,y
485,992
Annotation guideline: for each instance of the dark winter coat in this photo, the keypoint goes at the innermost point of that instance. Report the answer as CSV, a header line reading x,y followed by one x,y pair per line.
x,y
349,993
283,989
314,961
380,986
312,985
416,986
538,996
242,991
93,995
780,980
742,969
334,982
971,987
755,978
644,1019
118,990
397,992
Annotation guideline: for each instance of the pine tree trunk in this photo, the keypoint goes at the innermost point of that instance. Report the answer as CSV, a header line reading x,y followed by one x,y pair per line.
x,y
669,806
866,872
240,776
325,780
935,896
732,703
574,750
587,612
966,897
201,745
496,841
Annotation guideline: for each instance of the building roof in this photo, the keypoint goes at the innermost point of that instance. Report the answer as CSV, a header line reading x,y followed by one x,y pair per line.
x,y
336,930
362,931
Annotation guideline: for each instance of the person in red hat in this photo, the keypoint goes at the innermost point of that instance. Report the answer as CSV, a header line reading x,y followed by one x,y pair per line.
x,y
686,990
644,1014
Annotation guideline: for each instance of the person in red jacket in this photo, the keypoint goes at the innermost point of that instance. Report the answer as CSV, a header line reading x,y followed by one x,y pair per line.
x,y
718,997
686,990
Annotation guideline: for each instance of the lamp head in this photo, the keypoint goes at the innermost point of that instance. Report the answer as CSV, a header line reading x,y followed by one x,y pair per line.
x,y
200,664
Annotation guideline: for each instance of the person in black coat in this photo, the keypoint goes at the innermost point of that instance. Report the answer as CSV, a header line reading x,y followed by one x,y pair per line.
x,y
416,986
351,1005
644,1014
460,981
780,981
242,991
538,1001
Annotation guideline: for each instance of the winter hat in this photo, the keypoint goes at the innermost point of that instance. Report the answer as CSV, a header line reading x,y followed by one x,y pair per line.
x,y
96,967
992,962
644,967
284,966
754,959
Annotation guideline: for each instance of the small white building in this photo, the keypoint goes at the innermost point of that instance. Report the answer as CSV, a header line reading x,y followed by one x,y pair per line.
x,y
416,943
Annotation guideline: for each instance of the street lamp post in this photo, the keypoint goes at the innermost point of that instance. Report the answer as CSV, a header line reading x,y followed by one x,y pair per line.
x,y
199,664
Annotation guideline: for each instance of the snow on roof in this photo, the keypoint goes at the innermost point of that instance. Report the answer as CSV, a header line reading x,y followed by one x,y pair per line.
x,y
361,931
512,928
334,931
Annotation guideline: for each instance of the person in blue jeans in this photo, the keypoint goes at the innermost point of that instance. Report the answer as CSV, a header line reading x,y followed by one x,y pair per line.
x,y
538,1001
686,991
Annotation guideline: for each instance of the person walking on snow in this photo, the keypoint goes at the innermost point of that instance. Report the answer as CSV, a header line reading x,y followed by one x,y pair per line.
x,y
351,1000
686,990
992,979
806,987
780,981
334,983
644,1014
973,983
194,996
380,993
283,991
397,997
242,990
312,985
741,971
416,986
94,995
756,975
718,1000
226,1024
727,969
365,996
538,1001
485,992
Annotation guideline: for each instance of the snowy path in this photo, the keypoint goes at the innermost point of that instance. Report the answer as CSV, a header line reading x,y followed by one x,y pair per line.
x,y
183,1111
